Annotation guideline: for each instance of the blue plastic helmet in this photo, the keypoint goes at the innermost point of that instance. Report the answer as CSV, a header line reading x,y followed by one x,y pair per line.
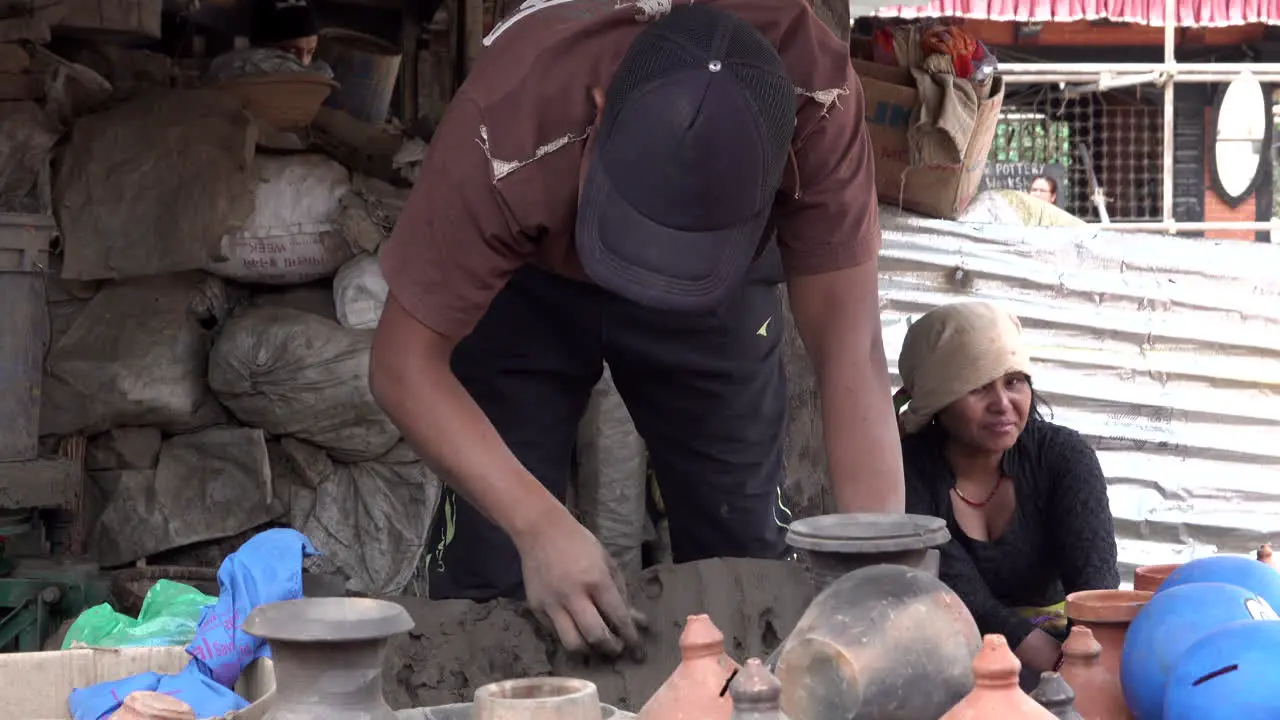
x,y
1245,572
1170,622
1229,674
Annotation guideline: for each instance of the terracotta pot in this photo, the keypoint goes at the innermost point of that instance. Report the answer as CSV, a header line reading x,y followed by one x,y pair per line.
x,y
1098,695
696,689
549,698
144,705
995,688
1108,614
1148,577
1264,554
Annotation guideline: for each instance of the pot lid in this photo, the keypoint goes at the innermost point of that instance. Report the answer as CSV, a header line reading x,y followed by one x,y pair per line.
x,y
868,533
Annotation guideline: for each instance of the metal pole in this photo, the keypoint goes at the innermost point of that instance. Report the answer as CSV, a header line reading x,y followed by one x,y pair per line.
x,y
1120,68
1170,59
1112,81
1189,227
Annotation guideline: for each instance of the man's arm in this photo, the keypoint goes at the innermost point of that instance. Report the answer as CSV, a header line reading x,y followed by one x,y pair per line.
x,y
452,251
829,232
411,379
450,254
837,315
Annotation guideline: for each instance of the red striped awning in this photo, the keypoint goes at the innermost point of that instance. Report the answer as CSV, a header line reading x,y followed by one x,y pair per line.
x,y
1191,13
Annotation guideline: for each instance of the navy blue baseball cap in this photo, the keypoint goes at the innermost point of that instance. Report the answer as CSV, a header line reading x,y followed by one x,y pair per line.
x,y
692,145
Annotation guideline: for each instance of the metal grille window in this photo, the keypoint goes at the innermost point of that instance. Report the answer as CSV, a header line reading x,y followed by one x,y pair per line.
x,y
1110,140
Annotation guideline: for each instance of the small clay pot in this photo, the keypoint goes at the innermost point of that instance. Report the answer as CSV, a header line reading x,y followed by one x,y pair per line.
x,y
1264,554
548,698
1108,614
995,688
1148,577
145,705
696,689
1098,695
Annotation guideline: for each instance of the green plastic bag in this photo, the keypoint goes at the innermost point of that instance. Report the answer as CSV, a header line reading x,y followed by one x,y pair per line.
x,y
169,616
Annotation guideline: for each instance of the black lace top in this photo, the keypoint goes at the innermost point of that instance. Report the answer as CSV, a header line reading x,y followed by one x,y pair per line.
x,y
1061,538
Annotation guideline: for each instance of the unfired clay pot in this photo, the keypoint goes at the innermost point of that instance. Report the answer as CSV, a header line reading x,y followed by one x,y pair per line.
x,y
698,688
552,698
1097,691
1108,614
144,705
1148,577
1055,695
996,695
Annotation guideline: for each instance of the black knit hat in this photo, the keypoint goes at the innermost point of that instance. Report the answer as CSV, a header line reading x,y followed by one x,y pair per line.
x,y
276,21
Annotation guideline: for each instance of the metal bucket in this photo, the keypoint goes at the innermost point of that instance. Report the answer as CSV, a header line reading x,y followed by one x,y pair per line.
x,y
365,68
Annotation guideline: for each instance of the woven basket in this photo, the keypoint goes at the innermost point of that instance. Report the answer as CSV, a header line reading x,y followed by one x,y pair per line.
x,y
288,101
129,587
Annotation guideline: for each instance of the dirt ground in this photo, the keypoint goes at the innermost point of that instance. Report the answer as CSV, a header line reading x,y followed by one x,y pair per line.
x,y
458,645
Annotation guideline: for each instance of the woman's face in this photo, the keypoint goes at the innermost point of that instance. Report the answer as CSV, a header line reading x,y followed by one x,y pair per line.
x,y
990,418
303,48
1043,189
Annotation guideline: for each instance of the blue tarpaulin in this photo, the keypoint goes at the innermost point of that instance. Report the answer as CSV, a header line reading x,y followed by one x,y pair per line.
x,y
266,569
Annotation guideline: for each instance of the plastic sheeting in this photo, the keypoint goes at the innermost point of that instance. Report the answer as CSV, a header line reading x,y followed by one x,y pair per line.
x,y
1162,351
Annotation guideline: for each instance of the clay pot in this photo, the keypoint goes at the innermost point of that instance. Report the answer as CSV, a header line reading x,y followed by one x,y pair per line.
x,y
865,642
756,693
696,689
538,699
1148,577
327,654
1097,691
1055,695
144,705
996,695
1108,614
836,545
1264,554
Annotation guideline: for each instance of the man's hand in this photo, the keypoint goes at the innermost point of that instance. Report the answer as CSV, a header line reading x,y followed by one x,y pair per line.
x,y
569,578
573,584
838,317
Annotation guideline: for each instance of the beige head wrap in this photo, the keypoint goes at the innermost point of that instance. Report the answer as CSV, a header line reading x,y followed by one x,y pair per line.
x,y
955,349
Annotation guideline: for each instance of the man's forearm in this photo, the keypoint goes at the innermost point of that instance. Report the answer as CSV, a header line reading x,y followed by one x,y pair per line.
x,y
864,454
451,434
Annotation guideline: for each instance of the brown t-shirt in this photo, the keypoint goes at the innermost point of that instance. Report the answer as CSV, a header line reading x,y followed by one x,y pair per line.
x,y
499,186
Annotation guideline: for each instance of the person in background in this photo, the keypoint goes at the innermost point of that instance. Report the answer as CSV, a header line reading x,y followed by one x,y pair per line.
x,y
605,187
1045,188
288,25
1024,499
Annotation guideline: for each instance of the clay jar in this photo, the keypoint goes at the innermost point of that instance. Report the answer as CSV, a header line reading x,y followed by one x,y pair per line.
x,y
1108,614
1055,695
756,693
996,695
538,699
327,655
698,688
1097,691
1148,577
144,705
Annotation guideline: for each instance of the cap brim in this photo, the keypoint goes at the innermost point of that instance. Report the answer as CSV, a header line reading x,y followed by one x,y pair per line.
x,y
664,268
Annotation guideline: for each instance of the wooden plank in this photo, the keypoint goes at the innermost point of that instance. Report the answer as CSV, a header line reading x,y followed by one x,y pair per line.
x,y
47,482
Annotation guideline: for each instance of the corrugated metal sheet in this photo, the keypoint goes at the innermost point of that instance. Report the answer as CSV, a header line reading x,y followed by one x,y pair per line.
x,y
1164,352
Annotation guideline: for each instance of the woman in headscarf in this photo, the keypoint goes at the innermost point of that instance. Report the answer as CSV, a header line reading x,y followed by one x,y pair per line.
x,y
1025,499
288,25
